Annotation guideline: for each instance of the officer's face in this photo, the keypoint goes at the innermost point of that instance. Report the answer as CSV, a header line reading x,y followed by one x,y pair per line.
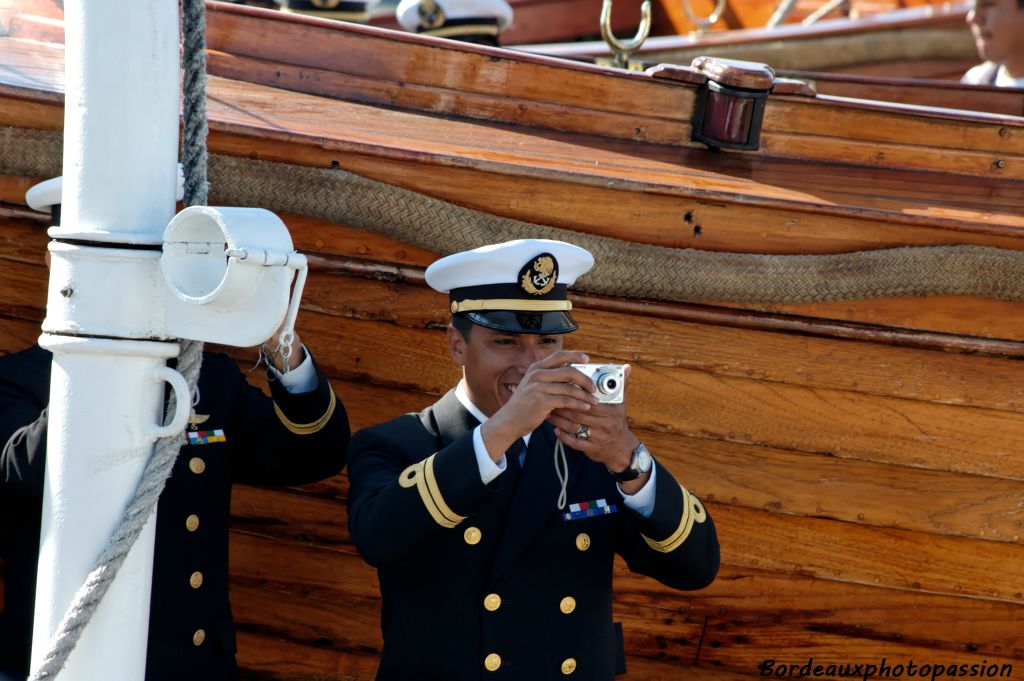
x,y
493,362
998,27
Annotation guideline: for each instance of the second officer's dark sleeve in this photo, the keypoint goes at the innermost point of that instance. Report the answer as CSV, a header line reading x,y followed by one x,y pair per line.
x,y
678,544
24,394
289,439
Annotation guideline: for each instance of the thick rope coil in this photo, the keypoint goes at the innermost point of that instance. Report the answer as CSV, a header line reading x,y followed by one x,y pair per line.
x,y
194,125
624,268
161,463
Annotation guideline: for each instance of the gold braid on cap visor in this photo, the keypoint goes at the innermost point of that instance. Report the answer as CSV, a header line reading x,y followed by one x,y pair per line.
x,y
460,30
512,305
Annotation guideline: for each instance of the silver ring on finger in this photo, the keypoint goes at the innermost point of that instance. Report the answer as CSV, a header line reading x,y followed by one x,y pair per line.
x,y
583,433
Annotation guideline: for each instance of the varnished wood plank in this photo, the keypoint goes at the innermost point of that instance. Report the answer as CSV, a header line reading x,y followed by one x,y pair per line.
x,y
774,480
290,566
412,59
32,65
744,219
264,657
845,552
833,117
831,188
623,164
815,362
340,621
821,364
248,97
864,493
12,189
745,649
889,320
314,236
17,333
739,595
921,51
946,69
688,402
558,116
995,319
43,29
952,623
1007,101
987,318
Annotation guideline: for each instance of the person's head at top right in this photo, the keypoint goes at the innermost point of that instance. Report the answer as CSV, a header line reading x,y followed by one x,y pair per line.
x,y
998,30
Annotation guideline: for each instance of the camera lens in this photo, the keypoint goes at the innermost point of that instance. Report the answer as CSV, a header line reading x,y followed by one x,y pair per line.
x,y
606,383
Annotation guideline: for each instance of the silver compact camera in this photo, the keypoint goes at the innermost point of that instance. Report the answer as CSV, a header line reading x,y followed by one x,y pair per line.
x,y
610,380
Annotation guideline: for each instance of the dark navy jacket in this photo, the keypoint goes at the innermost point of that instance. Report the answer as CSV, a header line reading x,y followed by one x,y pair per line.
x,y
306,441
472,591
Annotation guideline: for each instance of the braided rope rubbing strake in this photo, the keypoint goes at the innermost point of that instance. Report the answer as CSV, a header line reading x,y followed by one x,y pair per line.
x,y
624,268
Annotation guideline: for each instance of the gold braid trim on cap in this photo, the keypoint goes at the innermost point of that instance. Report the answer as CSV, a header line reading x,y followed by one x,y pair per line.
x,y
463,29
422,476
308,428
512,304
693,511
338,15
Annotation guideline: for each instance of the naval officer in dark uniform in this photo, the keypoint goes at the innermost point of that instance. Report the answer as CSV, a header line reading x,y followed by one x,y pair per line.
x,y
235,434
494,551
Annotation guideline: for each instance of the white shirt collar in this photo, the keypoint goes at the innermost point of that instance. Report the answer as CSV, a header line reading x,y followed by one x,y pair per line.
x,y
1004,80
462,394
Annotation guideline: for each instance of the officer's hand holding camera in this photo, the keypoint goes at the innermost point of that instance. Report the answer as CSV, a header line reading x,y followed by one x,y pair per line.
x,y
602,433
548,384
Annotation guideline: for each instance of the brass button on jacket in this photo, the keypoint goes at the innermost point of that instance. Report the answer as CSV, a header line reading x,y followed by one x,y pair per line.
x,y
492,662
583,541
472,536
196,580
192,523
492,602
198,637
196,465
567,605
568,666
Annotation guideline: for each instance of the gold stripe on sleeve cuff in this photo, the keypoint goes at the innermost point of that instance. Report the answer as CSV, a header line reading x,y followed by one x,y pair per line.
x,y
422,476
693,512
308,428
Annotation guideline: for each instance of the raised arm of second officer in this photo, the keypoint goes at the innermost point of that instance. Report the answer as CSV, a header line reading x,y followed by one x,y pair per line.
x,y
235,434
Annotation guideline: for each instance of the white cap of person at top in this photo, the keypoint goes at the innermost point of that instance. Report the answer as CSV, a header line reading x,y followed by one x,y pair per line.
x,y
518,286
473,20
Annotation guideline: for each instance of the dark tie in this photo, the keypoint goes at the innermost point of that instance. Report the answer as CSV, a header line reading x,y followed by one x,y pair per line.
x,y
508,480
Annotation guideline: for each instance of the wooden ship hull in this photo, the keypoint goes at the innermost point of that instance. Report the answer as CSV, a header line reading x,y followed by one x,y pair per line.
x,y
859,456
549,21
916,42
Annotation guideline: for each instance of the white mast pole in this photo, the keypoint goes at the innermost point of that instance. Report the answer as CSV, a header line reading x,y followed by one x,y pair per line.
x,y
120,153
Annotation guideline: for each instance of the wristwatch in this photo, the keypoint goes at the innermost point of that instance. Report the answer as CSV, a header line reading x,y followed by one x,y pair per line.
x,y
639,465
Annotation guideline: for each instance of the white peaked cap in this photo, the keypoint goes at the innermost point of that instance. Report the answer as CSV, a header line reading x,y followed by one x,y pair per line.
x,y
408,11
502,264
517,286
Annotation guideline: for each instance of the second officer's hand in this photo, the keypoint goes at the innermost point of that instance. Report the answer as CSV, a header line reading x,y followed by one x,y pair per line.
x,y
610,441
547,385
